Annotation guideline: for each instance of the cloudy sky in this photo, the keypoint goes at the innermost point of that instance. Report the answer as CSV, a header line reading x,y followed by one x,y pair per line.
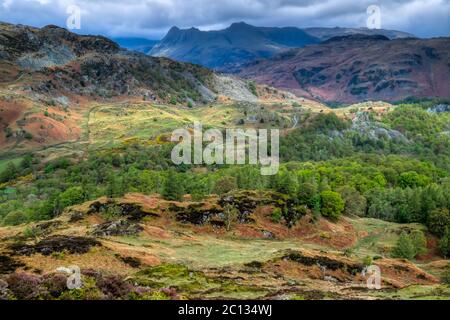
x,y
152,18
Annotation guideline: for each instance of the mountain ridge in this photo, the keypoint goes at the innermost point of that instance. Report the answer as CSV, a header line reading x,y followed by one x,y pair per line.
x,y
242,42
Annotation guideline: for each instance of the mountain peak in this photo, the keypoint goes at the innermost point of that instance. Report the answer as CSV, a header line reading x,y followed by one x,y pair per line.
x,y
240,25
174,30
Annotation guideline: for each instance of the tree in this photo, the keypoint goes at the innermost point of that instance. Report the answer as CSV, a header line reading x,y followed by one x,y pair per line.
x,y
444,243
413,179
419,241
225,184
307,194
439,221
72,196
284,183
404,248
355,203
230,215
172,188
14,218
9,173
332,204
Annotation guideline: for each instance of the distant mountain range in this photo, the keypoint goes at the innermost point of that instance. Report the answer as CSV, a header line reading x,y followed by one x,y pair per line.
x,y
354,68
136,44
241,43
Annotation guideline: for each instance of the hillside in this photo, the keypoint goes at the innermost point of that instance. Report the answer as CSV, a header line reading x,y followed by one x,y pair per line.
x,y
51,78
356,68
149,251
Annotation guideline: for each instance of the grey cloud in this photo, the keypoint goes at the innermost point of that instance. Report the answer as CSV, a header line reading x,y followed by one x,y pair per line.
x,y
152,18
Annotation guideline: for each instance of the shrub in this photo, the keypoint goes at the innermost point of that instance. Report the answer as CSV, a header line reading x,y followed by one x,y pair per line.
x,y
277,215
25,286
404,248
9,173
72,196
14,218
32,232
332,204
419,241
173,188
367,261
410,245
55,284
225,185
230,215
114,287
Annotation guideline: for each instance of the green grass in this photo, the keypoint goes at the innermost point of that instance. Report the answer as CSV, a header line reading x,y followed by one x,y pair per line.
x,y
430,292
195,283
382,236
210,252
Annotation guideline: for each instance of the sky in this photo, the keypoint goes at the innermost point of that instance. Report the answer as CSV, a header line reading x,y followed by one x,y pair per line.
x,y
152,19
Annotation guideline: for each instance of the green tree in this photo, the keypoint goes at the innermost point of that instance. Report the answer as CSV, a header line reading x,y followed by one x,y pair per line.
x,y
172,188
413,179
14,218
332,204
72,196
230,216
355,203
419,241
444,243
9,173
439,221
307,194
277,215
404,248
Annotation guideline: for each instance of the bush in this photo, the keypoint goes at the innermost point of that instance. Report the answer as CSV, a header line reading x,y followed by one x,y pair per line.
x,y
230,215
419,241
367,261
404,248
9,173
225,185
114,287
25,286
72,196
410,245
14,218
173,188
277,215
332,205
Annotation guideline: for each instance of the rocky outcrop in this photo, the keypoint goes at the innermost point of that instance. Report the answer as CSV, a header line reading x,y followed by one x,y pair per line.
x,y
131,211
71,244
117,228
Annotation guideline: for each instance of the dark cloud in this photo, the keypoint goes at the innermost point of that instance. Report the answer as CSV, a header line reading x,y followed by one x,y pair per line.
x,y
152,18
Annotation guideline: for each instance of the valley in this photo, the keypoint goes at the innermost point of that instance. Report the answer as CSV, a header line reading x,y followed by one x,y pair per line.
x,y
86,178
